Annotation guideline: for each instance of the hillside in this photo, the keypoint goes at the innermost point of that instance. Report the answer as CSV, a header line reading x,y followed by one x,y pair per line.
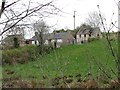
x,y
68,60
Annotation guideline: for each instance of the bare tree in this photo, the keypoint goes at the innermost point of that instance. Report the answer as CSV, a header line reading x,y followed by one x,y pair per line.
x,y
12,15
110,47
2,7
16,30
94,19
41,29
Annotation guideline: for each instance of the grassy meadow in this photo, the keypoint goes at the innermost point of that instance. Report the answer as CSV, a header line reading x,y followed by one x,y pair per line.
x,y
67,60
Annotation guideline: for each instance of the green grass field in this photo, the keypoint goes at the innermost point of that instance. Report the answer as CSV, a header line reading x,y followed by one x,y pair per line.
x,y
67,60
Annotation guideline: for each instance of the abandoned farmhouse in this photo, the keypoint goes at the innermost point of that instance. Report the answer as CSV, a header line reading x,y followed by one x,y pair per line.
x,y
60,38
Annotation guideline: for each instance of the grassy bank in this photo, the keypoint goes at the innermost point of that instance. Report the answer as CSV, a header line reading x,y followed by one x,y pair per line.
x,y
67,60
19,55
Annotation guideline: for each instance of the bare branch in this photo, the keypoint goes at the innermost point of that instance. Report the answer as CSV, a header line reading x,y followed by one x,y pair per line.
x,y
2,7
29,12
116,56
11,4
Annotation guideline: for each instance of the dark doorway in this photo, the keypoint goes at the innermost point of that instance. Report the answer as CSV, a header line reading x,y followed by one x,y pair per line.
x,y
16,43
82,42
27,42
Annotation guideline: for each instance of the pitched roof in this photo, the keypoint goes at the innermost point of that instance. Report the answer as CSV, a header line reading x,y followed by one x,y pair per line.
x,y
11,36
60,35
49,36
88,31
33,38
96,30
84,31
45,36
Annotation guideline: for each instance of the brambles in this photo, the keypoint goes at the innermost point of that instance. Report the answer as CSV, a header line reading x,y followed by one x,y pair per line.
x,y
22,55
57,82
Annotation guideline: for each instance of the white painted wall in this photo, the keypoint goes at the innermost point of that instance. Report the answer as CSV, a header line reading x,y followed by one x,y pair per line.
x,y
82,38
46,42
78,38
59,40
33,42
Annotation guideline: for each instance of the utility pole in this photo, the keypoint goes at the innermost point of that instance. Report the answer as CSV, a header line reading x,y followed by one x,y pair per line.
x,y
74,19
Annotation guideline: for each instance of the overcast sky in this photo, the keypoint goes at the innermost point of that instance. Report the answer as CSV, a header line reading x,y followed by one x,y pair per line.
x,y
82,8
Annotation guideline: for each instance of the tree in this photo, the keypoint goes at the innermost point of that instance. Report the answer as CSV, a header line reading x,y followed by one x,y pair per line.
x,y
84,26
2,7
12,16
94,19
58,31
40,28
16,30
116,55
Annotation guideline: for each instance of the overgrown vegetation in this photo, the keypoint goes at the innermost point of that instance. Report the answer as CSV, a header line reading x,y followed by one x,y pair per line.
x,y
19,55
93,58
22,54
92,39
